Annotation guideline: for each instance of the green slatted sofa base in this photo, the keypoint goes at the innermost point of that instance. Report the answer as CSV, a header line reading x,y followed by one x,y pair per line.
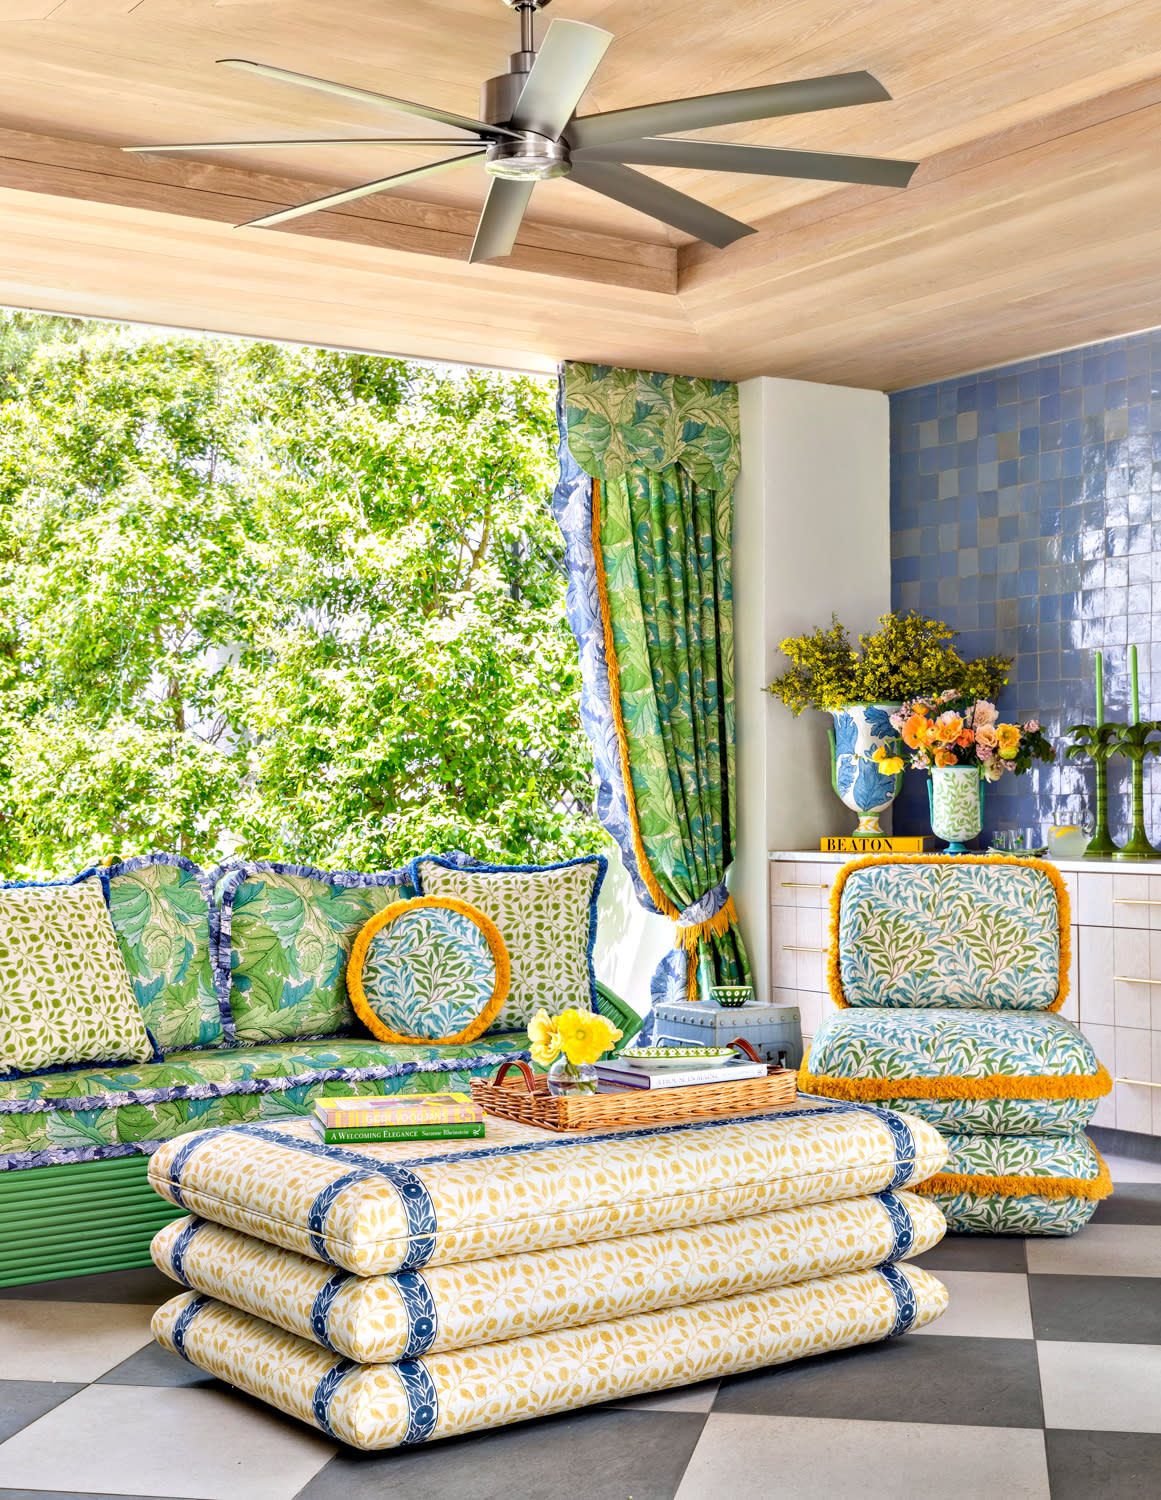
x,y
78,1219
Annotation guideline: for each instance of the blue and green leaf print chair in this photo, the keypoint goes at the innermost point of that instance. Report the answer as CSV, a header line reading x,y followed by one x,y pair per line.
x,y
948,972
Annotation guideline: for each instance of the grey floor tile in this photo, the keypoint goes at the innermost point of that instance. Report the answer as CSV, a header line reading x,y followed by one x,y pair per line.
x,y
970,1381
982,1305
1104,1465
975,1252
146,1285
803,1458
71,1341
22,1401
602,1454
1103,1309
1101,1250
1101,1387
186,1442
72,1495
1131,1203
154,1365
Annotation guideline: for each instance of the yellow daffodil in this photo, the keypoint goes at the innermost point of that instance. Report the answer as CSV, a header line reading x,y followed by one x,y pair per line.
x,y
584,1035
544,1035
890,765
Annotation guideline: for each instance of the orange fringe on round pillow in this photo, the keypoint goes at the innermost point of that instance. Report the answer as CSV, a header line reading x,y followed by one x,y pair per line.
x,y
833,975
1100,1186
958,1086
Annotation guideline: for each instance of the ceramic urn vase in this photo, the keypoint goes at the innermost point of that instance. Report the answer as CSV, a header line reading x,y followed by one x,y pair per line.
x,y
956,798
859,730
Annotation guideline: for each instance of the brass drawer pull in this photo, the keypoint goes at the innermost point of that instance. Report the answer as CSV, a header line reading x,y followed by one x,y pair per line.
x,y
808,885
1124,979
796,948
1141,1083
1133,901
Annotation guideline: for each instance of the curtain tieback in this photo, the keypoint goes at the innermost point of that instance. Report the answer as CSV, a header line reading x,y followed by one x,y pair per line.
x,y
709,916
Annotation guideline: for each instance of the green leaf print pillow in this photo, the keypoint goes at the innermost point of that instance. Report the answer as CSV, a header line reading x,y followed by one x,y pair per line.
x,y
160,906
284,935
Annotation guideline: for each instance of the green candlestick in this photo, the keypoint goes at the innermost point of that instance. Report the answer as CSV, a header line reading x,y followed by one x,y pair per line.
x,y
1095,743
1100,689
1135,745
1136,719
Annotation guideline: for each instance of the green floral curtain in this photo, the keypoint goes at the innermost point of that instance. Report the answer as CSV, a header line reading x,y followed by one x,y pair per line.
x,y
662,451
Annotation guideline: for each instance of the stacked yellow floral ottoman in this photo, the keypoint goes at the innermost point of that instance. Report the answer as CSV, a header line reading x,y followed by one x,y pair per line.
x,y
948,971
394,1294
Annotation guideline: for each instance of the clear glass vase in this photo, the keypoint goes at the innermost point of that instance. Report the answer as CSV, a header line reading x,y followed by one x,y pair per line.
x,y
566,1077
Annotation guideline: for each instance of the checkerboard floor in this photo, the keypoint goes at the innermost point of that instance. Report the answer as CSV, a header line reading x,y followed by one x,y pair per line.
x,y
1041,1382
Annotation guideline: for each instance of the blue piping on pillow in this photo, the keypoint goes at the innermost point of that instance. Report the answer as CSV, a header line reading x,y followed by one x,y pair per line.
x,y
225,879
455,861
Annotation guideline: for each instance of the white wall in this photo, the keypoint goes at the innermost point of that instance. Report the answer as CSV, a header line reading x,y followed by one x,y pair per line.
x,y
811,536
631,941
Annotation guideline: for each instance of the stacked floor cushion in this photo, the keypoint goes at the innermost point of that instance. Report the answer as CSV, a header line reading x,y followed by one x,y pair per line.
x,y
948,972
397,1293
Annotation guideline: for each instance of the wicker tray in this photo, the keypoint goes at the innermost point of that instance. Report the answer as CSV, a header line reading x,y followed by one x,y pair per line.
x,y
527,1099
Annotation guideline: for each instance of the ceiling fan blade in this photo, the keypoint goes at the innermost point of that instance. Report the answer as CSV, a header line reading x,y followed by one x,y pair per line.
x,y
769,161
442,140
500,221
568,57
763,103
680,211
345,91
332,200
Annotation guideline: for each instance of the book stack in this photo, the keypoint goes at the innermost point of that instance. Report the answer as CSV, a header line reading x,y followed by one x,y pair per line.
x,y
622,1073
397,1117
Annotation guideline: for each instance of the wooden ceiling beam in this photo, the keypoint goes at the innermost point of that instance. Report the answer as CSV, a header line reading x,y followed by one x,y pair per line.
x,y
230,195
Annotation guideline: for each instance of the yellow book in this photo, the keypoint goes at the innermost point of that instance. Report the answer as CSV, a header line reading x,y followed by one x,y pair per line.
x,y
884,843
397,1109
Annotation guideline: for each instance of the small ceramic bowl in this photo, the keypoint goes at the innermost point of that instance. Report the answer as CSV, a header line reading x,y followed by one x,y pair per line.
x,y
732,995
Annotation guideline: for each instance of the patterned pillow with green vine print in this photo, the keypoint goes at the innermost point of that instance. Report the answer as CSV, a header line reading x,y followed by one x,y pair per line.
x,y
285,933
971,936
160,908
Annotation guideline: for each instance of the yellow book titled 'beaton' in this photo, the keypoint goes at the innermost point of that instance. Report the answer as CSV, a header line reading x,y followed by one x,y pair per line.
x,y
885,843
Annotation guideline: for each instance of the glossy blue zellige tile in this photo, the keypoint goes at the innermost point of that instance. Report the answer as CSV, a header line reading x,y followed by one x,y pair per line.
x,y
1026,510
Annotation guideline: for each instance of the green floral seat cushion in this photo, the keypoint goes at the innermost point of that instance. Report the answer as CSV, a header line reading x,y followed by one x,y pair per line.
x,y
1011,1073
160,908
976,935
95,1112
547,916
990,1184
285,935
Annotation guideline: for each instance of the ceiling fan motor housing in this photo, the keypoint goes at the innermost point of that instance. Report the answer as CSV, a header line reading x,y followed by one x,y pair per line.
x,y
527,156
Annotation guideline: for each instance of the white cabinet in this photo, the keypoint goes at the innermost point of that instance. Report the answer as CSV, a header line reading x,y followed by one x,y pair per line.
x,y
1114,970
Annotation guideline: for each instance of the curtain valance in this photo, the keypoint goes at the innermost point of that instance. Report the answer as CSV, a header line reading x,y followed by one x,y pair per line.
x,y
618,419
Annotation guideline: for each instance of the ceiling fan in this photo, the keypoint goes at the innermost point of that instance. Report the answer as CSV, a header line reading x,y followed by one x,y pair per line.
x,y
529,132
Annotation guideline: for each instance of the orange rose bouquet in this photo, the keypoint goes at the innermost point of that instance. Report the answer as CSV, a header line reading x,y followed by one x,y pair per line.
x,y
950,730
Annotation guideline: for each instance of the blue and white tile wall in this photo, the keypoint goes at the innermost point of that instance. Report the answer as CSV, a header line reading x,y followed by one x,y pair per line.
x,y
1026,512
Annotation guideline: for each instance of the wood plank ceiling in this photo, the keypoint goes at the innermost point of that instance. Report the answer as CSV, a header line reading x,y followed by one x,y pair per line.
x,y
1033,223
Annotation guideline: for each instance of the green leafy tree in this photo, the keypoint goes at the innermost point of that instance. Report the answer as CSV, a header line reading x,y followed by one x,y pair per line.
x,y
274,601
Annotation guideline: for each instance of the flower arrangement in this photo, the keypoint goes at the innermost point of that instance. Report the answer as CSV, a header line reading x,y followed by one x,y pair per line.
x,y
582,1035
908,657
954,729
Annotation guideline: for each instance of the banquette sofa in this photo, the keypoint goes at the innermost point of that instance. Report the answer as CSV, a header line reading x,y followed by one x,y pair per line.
x,y
240,977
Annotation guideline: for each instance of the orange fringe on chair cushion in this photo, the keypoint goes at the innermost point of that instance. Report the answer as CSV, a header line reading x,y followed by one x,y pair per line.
x,y
957,1086
834,977
1099,1186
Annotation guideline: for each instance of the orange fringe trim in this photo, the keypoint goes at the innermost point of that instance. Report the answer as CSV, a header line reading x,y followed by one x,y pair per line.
x,y
834,977
956,1086
479,1023
715,926
1100,1186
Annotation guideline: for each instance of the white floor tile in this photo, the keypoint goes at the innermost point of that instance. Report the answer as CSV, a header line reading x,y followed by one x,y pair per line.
x,y
685,1398
68,1340
1100,1250
1100,1387
984,1305
808,1458
1129,1169
164,1440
